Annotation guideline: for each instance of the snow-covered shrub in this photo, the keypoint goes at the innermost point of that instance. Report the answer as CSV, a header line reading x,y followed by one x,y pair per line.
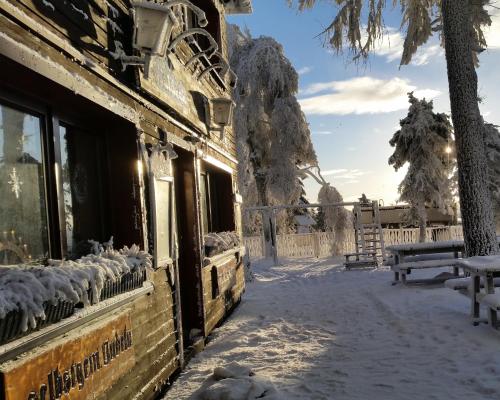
x,y
216,243
27,288
335,219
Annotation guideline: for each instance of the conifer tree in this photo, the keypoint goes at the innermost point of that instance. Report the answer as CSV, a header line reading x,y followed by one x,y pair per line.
x,y
421,142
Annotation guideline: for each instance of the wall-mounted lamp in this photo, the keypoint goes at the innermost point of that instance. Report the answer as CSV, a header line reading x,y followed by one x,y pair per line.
x,y
222,110
153,25
219,111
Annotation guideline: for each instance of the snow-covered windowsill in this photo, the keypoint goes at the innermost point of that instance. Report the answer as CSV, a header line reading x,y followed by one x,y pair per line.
x,y
80,317
225,256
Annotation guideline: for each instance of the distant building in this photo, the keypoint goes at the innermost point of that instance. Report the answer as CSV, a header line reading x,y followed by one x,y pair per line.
x,y
395,216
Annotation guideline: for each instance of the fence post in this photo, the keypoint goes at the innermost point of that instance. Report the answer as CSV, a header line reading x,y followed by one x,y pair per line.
x,y
315,236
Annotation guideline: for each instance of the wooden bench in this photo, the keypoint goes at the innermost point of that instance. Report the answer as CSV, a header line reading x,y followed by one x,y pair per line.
x,y
463,284
410,256
405,268
484,274
363,260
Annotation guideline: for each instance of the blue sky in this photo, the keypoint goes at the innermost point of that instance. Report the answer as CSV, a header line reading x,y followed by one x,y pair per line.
x,y
354,110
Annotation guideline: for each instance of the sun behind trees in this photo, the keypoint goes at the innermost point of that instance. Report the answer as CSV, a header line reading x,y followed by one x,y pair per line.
x,y
359,26
422,142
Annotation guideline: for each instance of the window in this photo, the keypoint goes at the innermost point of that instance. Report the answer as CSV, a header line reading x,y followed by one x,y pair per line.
x,y
84,187
23,218
216,200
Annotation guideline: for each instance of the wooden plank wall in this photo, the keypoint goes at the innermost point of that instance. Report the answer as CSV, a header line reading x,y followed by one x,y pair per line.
x,y
229,277
155,343
100,29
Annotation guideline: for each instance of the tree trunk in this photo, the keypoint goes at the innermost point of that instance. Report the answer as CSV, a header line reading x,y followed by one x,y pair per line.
x,y
422,224
475,201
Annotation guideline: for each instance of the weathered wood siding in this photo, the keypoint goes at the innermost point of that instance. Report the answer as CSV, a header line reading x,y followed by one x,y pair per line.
x,y
84,37
156,343
134,370
223,285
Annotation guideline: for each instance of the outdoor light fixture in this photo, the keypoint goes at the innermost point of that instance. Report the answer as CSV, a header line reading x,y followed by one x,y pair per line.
x,y
447,150
153,25
220,111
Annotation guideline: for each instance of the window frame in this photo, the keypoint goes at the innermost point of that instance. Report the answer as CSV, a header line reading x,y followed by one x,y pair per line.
x,y
30,106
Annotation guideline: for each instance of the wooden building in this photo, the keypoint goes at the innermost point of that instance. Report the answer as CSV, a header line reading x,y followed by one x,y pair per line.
x,y
396,216
115,121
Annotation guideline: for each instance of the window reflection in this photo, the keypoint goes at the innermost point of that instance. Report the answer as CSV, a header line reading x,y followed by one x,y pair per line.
x,y
83,177
23,220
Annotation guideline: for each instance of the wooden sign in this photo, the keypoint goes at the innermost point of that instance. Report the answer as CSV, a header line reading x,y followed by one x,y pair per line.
x,y
81,366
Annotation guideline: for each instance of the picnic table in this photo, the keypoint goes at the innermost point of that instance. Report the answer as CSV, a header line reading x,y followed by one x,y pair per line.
x,y
411,256
485,268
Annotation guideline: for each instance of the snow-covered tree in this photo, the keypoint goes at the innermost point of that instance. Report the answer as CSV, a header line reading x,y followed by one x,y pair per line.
x,y
272,134
334,219
492,141
358,26
421,142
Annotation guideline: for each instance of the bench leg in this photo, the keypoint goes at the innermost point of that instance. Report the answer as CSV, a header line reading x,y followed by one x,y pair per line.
x,y
492,312
403,277
456,271
396,276
474,290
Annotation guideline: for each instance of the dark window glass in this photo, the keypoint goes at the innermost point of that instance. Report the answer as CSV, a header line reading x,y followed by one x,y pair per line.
x,y
84,188
23,219
216,201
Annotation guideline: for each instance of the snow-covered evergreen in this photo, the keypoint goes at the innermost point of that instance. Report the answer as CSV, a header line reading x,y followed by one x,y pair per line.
x,y
272,134
422,142
492,142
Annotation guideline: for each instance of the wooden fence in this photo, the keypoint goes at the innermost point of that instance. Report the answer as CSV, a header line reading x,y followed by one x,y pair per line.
x,y
319,244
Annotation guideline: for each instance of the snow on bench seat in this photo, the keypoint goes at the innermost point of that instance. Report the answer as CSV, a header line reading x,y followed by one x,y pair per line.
x,y
491,300
458,244
458,283
426,264
430,256
482,264
463,283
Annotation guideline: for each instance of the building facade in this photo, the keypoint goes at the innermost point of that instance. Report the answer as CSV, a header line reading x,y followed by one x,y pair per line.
x,y
115,122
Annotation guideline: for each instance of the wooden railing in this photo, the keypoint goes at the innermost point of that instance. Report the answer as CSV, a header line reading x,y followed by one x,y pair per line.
x,y
319,244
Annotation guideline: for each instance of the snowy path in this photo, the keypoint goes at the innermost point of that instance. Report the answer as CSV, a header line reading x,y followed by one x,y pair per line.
x,y
319,332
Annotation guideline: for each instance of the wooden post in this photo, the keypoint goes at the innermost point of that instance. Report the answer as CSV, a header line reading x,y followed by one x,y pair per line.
x,y
274,239
475,287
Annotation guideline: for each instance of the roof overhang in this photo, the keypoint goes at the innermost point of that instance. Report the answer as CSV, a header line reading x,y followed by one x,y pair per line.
x,y
237,6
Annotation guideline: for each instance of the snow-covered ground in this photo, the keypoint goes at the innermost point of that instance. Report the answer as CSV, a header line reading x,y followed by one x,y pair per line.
x,y
319,332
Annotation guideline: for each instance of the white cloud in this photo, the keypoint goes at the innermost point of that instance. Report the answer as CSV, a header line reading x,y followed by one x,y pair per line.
x,y
304,70
426,53
492,33
329,172
347,174
365,95
322,133
391,47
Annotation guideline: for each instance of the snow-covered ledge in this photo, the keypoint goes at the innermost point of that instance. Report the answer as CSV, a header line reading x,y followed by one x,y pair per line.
x,y
225,256
80,317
